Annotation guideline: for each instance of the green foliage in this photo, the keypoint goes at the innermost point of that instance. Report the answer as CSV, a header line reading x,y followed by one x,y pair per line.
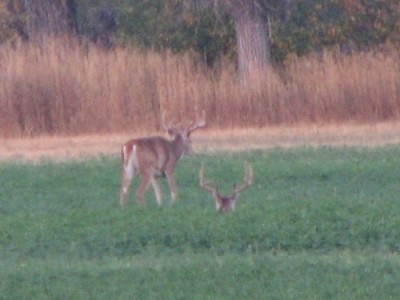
x,y
317,223
170,24
311,25
349,25
12,19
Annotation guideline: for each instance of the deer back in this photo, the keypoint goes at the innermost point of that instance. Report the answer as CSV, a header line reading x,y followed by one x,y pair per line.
x,y
154,154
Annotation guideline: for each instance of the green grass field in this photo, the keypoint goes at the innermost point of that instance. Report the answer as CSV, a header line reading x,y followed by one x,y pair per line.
x,y
316,224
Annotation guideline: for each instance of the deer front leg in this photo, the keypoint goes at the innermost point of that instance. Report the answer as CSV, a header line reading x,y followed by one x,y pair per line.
x,y
172,186
144,184
157,190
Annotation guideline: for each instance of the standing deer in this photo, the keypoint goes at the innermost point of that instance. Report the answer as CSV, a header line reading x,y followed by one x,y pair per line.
x,y
226,204
155,156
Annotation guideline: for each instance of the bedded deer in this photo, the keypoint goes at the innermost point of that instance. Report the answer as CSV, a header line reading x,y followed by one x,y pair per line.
x,y
226,204
151,157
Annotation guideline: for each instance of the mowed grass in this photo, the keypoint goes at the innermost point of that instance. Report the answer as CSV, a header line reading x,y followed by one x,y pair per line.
x,y
316,224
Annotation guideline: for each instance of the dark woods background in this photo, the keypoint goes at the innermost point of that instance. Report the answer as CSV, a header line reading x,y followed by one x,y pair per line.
x,y
294,27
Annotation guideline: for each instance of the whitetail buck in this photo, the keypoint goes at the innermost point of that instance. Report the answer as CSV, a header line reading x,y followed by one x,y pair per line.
x,y
155,156
226,204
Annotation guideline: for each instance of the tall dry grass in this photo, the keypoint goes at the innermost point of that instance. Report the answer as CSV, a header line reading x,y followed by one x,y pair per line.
x,y
64,87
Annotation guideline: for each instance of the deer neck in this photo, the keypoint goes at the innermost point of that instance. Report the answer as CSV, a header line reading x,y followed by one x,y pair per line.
x,y
178,146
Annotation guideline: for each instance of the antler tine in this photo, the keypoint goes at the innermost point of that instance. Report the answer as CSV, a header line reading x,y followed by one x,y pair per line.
x,y
249,173
199,123
248,179
168,128
203,183
165,127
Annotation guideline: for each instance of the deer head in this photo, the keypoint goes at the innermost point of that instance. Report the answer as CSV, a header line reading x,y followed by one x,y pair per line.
x,y
226,204
181,133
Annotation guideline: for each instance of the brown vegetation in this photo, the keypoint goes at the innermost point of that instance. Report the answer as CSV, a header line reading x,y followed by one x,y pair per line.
x,y
206,141
63,87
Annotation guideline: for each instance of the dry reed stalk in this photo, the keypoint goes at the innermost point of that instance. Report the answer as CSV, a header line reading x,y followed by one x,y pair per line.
x,y
62,86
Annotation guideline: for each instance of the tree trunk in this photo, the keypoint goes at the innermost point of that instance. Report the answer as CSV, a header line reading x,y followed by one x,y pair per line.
x,y
252,40
51,16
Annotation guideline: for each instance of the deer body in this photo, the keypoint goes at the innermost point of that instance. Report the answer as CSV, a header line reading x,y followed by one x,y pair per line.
x,y
152,157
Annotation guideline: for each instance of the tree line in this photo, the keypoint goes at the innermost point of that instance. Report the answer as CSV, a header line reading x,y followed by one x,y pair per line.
x,y
274,29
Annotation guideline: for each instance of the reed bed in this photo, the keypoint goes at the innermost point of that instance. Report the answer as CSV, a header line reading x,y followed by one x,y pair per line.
x,y
67,87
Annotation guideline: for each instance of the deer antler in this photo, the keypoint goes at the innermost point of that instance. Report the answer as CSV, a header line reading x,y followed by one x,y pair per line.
x,y
163,125
204,184
199,123
227,204
168,128
248,179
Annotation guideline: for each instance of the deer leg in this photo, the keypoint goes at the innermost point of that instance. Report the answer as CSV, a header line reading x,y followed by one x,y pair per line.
x,y
157,190
144,184
128,173
172,186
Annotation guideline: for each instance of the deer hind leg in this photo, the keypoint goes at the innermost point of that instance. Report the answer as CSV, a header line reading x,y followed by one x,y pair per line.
x,y
128,173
